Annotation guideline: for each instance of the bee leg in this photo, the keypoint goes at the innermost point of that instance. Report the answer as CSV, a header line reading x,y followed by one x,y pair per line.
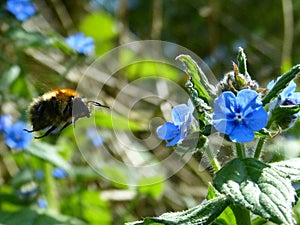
x,y
29,131
47,132
65,125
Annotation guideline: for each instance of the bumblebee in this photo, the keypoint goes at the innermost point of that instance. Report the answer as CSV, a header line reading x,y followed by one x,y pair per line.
x,y
58,108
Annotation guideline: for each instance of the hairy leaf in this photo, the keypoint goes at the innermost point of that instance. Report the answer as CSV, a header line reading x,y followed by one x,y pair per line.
x,y
290,168
202,214
258,187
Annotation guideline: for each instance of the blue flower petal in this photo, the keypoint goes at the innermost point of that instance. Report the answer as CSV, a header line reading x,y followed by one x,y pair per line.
x,y
180,114
80,43
241,133
258,119
168,131
175,141
5,123
59,173
16,137
22,9
246,99
288,90
224,104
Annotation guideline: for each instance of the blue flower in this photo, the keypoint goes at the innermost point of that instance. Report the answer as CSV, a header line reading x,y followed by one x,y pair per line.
x,y
94,137
22,9
16,137
42,203
279,107
177,131
59,173
81,43
39,174
239,116
5,123
288,96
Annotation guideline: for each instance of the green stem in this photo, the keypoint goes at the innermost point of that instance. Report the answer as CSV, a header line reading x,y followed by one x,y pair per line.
x,y
240,150
259,146
213,160
242,215
50,187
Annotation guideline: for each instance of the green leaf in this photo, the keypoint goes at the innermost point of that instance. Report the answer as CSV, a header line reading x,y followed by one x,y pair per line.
x,y
48,153
242,62
290,168
227,217
116,121
206,91
8,77
26,39
152,186
281,84
89,206
284,115
201,92
258,187
99,25
151,69
30,217
116,175
202,214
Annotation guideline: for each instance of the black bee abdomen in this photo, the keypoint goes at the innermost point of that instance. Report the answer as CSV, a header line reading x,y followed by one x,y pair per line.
x,y
43,113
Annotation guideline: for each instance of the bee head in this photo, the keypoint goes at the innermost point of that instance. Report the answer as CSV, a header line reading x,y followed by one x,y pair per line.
x,y
81,108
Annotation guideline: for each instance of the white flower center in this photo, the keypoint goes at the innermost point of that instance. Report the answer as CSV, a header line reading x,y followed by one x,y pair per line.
x,y
239,117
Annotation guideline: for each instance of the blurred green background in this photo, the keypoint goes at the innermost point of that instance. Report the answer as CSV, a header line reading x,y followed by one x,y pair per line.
x,y
34,60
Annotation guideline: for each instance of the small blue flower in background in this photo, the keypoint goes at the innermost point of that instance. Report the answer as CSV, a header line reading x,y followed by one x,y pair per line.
x,y
94,137
5,123
16,137
22,9
42,203
59,173
39,174
81,43
288,96
176,132
239,116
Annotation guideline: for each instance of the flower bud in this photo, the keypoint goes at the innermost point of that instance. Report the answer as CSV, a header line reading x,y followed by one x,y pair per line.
x,y
235,81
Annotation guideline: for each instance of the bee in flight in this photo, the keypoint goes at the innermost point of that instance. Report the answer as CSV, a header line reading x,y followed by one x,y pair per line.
x,y
58,108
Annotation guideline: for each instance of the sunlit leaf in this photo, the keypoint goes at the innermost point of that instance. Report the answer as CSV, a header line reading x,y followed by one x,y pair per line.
x,y
202,214
290,168
99,25
258,187
48,153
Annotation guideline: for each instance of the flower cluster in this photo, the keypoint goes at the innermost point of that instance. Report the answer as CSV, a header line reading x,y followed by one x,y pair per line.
x,y
21,9
81,43
14,134
240,111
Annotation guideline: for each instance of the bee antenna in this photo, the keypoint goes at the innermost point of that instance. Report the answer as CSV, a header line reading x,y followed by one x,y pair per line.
x,y
98,104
